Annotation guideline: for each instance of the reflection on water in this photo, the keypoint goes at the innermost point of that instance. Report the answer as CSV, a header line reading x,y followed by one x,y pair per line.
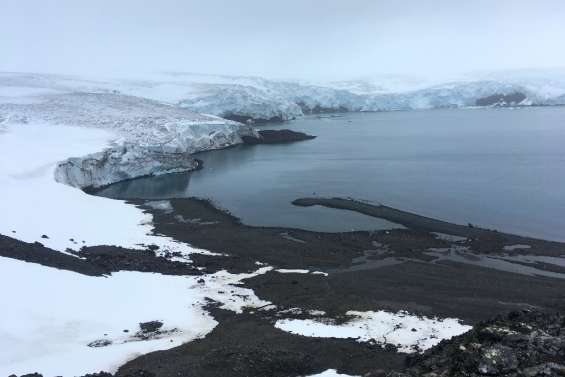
x,y
497,168
164,186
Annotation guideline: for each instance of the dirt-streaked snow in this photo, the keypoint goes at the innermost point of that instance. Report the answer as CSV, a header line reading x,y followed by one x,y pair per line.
x,y
408,332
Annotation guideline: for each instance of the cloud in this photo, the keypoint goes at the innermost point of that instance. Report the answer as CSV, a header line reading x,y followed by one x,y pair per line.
x,y
312,39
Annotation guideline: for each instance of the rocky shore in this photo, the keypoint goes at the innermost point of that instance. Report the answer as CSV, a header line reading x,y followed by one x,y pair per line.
x,y
354,274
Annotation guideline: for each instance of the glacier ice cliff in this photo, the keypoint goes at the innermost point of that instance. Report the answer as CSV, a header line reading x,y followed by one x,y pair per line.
x,y
151,137
120,163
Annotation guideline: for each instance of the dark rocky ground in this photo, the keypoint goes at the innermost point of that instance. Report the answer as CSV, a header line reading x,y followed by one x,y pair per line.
x,y
277,137
524,343
96,260
248,345
510,99
445,288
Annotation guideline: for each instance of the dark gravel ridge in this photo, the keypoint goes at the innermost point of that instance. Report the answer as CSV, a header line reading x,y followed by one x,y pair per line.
x,y
96,260
37,253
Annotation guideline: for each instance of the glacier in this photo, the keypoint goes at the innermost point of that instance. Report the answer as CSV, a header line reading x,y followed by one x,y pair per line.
x,y
150,137
255,99
160,120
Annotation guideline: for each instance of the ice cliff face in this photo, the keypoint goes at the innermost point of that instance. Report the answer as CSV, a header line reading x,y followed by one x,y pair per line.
x,y
120,163
256,99
243,104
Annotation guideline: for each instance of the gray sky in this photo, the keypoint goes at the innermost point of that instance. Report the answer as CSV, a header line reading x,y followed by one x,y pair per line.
x,y
316,39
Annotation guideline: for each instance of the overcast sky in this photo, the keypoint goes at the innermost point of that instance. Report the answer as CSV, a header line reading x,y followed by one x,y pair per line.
x,y
316,39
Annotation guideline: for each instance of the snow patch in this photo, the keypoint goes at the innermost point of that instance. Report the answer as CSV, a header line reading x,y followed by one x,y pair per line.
x,y
64,323
516,247
330,373
407,332
291,271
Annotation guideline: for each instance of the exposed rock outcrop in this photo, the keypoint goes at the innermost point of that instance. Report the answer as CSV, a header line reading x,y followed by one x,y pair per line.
x,y
526,343
502,100
276,137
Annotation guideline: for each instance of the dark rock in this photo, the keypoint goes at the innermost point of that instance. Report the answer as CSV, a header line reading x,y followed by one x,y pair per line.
x,y
526,343
100,343
37,253
44,236
244,118
151,326
99,374
496,360
376,373
114,258
140,373
317,109
501,100
277,137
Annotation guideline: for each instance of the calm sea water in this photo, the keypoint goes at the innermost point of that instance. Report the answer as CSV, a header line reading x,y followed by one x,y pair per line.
x,y
496,168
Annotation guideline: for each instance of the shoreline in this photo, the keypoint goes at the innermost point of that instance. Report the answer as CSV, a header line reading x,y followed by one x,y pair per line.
x,y
424,223
360,253
361,271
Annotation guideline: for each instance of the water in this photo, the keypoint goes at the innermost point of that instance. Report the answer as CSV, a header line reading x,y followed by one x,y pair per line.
x,y
496,168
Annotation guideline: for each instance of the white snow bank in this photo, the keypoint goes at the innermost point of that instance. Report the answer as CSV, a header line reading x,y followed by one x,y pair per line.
x,y
33,204
292,271
51,315
329,373
408,332
23,94
299,271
